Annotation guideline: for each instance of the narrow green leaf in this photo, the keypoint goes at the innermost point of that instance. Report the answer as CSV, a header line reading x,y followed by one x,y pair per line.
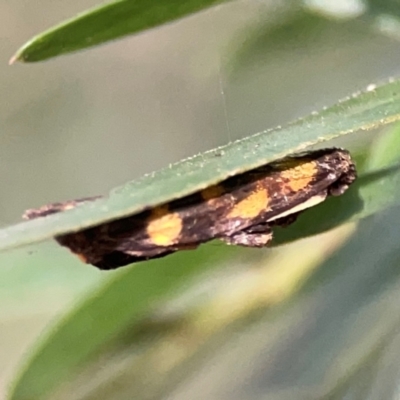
x,y
342,317
385,151
364,111
356,284
105,23
135,291
316,345
383,7
108,312
82,337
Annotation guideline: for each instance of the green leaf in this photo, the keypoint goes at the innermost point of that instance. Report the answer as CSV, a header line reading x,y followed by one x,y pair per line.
x,y
385,149
364,111
342,319
113,322
112,329
113,308
353,340
383,7
105,23
121,304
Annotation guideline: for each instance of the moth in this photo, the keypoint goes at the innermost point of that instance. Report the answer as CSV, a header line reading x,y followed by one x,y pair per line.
x,y
241,210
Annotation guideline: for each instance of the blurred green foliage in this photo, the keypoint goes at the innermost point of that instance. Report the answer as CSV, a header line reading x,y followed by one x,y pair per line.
x,y
316,319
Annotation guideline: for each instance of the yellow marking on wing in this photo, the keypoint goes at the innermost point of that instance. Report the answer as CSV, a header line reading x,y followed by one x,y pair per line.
x,y
300,176
164,227
212,192
251,206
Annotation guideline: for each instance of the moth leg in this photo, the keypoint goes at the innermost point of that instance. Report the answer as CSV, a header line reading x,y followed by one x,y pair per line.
x,y
254,236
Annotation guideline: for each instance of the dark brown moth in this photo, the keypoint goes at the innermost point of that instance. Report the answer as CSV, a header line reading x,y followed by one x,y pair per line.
x,y
240,210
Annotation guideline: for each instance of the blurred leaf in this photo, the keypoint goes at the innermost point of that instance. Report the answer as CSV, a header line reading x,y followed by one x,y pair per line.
x,y
93,329
385,17
151,356
373,108
328,341
291,31
296,30
385,150
94,333
388,7
31,273
84,337
122,303
353,339
344,315
348,9
107,22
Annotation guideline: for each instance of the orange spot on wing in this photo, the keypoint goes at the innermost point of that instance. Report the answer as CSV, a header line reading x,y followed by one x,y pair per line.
x,y
300,176
251,206
163,226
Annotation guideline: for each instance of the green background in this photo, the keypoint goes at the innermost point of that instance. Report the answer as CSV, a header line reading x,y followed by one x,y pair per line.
x,y
82,124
